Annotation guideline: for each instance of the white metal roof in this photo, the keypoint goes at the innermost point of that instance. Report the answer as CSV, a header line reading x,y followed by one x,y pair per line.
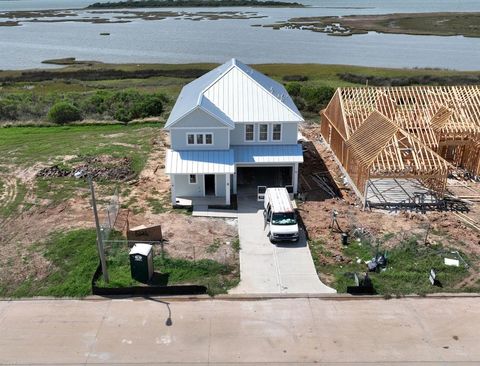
x,y
234,92
200,162
141,248
275,154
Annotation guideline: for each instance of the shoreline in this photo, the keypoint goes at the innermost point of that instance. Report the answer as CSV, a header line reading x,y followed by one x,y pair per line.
x,y
440,24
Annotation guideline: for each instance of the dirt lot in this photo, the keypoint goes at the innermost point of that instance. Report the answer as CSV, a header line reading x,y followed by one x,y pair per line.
x,y
145,200
449,229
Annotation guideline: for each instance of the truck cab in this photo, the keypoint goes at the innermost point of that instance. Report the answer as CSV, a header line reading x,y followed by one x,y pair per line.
x,y
280,215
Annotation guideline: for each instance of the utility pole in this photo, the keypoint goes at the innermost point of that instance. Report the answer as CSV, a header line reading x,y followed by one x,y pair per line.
x,y
101,251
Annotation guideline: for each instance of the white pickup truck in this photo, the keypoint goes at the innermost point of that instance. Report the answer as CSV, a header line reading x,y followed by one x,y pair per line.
x,y
280,215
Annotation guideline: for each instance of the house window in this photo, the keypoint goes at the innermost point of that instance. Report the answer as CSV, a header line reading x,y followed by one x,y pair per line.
x,y
192,179
199,138
208,139
263,135
277,132
249,134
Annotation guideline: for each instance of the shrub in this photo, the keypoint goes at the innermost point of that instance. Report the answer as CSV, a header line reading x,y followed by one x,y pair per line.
x,y
63,112
295,78
293,89
310,98
124,105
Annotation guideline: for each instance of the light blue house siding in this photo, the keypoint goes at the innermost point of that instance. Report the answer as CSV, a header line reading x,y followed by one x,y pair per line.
x,y
289,134
199,122
220,139
184,188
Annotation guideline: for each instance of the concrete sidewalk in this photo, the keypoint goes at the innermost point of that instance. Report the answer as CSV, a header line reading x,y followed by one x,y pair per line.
x,y
286,331
269,268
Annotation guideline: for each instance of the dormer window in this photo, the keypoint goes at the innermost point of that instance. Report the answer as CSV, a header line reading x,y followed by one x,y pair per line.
x,y
190,139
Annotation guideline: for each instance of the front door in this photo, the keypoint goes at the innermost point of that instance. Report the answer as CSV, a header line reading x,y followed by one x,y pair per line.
x,y
210,184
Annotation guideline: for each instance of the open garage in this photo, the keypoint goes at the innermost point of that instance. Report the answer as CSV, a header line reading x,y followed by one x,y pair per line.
x,y
248,178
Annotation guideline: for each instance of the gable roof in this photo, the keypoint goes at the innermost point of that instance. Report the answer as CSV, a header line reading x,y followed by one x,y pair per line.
x,y
234,92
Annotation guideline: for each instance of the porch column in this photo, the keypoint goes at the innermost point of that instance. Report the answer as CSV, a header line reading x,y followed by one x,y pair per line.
x,y
172,187
227,189
295,178
235,181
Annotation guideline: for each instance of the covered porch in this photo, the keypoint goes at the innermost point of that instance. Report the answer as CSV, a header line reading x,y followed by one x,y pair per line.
x,y
200,177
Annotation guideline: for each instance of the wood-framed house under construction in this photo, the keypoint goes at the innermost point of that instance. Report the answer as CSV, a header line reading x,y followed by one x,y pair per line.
x,y
397,144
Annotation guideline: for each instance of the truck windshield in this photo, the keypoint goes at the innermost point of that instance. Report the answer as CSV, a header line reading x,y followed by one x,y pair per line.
x,y
284,218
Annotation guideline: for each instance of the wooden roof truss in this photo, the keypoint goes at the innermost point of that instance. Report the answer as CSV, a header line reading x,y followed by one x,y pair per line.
x,y
386,150
428,112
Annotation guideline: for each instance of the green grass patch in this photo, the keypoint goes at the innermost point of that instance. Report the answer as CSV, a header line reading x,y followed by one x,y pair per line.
x,y
25,145
407,269
216,276
73,257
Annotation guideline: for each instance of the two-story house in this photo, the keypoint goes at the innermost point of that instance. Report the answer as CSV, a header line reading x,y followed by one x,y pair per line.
x,y
231,130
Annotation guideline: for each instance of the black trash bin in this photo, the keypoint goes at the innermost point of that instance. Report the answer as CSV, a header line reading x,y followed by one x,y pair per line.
x,y
141,262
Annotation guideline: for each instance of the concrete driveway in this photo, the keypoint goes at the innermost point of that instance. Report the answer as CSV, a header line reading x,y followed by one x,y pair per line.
x,y
266,268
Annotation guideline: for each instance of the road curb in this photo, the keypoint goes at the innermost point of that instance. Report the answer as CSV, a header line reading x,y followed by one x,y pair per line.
x,y
252,297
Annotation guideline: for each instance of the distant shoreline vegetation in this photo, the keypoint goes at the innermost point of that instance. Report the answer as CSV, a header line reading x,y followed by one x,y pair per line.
x,y
193,4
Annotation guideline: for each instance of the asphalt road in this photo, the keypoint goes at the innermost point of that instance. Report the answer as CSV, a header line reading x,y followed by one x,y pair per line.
x,y
217,332
272,268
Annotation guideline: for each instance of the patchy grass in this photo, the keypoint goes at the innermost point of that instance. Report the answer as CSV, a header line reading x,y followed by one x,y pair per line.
x,y
73,257
236,245
213,248
11,197
26,146
407,270
158,206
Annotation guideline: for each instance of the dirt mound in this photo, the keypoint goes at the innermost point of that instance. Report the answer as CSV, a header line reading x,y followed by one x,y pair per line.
x,y
103,167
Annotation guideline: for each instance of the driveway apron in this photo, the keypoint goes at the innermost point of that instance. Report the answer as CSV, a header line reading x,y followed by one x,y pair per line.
x,y
267,268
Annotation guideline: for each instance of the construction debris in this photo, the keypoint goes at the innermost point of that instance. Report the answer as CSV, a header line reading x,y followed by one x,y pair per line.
x,y
102,167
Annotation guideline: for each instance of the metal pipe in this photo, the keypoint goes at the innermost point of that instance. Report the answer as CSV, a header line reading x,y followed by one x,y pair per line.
x,y
101,251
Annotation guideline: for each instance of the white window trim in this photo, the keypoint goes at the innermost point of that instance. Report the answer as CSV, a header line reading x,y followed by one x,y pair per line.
x,y
281,132
260,132
186,136
204,138
196,179
245,132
